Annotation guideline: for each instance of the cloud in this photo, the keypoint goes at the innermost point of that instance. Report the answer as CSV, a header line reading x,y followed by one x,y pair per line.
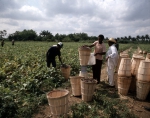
x,y
113,18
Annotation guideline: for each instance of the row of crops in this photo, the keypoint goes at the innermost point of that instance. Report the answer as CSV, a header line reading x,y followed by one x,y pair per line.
x,y
25,79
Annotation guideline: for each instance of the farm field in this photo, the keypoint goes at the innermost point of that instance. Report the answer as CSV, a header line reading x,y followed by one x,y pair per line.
x,y
25,80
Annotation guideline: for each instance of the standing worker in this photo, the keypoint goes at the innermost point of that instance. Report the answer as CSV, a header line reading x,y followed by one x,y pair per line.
x,y
99,51
2,43
52,53
112,60
13,42
117,45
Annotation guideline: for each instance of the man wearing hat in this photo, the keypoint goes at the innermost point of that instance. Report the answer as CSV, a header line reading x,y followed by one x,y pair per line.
x,y
112,60
52,53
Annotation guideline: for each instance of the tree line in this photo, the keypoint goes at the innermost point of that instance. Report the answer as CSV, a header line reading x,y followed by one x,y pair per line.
x,y
45,35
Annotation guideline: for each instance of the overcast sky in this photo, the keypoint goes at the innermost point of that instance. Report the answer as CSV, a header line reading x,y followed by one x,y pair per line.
x,y
112,18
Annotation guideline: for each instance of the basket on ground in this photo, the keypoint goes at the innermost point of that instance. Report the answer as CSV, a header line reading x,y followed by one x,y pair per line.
x,y
123,85
142,89
76,85
87,89
65,70
58,102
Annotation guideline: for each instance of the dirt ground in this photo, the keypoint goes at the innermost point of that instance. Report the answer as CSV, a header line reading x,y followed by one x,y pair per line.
x,y
134,105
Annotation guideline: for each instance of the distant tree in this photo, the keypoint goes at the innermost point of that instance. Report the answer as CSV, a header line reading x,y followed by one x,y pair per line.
x,y
137,37
3,33
143,38
129,38
147,37
24,35
84,36
57,37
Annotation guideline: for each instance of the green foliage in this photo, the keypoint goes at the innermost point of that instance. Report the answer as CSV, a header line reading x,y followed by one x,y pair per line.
x,y
105,104
25,78
84,110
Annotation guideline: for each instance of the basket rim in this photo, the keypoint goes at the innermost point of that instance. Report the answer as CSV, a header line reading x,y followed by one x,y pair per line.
x,y
49,97
76,76
138,57
83,80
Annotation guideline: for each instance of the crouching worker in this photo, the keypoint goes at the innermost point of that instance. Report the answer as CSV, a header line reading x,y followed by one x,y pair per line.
x,y
52,53
112,60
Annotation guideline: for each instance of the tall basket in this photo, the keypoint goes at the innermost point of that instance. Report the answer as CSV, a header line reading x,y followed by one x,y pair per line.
x,y
135,64
87,89
125,67
142,89
84,55
76,85
123,85
143,73
58,102
122,55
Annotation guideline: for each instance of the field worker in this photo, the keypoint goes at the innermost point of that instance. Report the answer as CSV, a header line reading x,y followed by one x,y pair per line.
x,y
99,51
13,42
52,53
117,45
2,42
112,60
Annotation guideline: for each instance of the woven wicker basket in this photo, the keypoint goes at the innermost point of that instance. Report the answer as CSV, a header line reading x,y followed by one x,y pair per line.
x,y
123,85
142,89
84,55
87,89
76,85
58,102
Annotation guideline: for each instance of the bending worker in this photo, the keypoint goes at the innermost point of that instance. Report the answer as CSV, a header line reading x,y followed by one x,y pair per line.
x,y
52,53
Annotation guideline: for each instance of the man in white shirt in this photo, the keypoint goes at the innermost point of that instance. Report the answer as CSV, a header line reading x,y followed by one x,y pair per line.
x,y
112,60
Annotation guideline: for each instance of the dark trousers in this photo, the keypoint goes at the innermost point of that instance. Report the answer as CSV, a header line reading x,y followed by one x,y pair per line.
x,y
97,70
49,61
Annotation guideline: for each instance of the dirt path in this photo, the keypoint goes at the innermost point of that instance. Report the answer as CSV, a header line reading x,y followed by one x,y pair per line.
x,y
134,105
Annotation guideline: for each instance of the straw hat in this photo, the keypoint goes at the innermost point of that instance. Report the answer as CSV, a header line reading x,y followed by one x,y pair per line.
x,y
112,40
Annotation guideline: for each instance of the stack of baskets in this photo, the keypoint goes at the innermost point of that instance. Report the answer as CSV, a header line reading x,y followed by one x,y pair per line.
x,y
136,59
124,76
84,55
82,84
122,55
143,80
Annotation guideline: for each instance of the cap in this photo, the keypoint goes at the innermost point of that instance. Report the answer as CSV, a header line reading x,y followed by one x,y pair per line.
x,y
60,44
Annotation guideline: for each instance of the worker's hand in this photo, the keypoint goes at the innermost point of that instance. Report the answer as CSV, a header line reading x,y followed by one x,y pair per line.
x,y
95,54
85,46
107,58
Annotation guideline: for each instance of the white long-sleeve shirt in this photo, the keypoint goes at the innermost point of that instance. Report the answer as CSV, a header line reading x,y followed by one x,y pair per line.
x,y
113,56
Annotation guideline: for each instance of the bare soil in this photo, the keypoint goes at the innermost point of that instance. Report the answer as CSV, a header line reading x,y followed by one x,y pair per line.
x,y
135,106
